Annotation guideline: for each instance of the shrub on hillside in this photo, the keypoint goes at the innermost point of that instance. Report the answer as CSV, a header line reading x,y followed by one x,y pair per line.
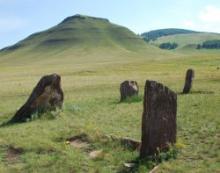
x,y
168,46
211,44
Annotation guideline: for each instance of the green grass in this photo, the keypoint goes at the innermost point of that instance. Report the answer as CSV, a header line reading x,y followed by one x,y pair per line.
x,y
91,86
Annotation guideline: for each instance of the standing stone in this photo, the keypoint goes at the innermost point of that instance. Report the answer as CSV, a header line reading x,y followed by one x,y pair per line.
x,y
46,96
128,89
188,81
159,119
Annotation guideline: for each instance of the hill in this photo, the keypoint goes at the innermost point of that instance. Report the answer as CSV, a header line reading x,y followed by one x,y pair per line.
x,y
82,38
155,34
187,41
82,32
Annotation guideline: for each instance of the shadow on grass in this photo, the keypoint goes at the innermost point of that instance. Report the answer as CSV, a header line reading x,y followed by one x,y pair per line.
x,y
197,92
48,115
133,99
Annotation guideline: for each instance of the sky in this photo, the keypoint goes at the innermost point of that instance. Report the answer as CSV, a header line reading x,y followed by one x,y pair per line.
x,y
20,18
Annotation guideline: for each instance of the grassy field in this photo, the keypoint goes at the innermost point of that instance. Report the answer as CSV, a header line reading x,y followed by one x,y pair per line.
x,y
90,81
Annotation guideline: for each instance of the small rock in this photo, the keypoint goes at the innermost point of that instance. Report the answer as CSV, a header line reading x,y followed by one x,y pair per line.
x,y
129,165
78,144
96,154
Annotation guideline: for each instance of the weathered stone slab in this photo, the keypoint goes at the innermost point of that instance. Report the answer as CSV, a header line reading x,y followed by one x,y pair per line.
x,y
46,96
158,119
128,89
188,81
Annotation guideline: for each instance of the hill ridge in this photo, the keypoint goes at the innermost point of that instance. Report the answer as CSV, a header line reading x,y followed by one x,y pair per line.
x,y
80,16
155,34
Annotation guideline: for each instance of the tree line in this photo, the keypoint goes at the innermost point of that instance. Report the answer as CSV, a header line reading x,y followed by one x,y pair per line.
x,y
168,45
211,44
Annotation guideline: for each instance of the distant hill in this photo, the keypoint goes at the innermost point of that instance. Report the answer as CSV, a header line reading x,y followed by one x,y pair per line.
x,y
81,32
155,34
187,41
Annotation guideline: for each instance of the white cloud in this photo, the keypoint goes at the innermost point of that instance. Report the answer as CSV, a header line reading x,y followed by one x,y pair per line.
x,y
189,23
208,19
11,24
210,14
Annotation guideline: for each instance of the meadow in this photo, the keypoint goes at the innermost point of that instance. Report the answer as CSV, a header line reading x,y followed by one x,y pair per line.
x,y
90,81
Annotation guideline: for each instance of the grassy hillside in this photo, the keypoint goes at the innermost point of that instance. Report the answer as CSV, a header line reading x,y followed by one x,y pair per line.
x,y
79,37
78,33
155,34
187,41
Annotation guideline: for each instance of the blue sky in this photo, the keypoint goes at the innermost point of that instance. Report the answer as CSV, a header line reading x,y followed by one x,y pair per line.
x,y
20,18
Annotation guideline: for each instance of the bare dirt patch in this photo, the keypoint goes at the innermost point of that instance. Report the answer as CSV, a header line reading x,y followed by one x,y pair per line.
x,y
80,141
13,154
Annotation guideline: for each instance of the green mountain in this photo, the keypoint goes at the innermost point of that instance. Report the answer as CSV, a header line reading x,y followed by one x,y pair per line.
x,y
155,34
80,32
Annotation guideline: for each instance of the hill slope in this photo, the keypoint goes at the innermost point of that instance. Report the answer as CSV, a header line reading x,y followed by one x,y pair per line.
x,y
80,32
155,34
82,38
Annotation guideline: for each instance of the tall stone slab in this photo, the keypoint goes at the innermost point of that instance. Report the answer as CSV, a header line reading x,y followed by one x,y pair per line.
x,y
188,81
158,119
